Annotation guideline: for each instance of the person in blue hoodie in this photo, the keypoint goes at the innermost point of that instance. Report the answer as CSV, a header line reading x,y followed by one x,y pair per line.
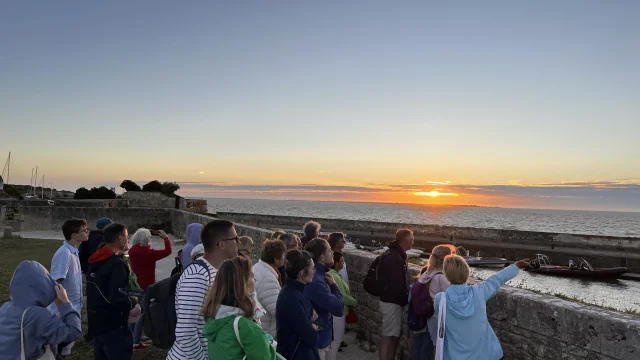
x,y
193,239
468,334
32,289
324,294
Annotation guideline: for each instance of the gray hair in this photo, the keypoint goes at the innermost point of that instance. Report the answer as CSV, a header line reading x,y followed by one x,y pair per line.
x,y
289,239
311,228
141,237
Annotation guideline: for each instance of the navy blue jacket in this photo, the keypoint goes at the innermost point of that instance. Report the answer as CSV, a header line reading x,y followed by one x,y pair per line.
x,y
293,321
326,301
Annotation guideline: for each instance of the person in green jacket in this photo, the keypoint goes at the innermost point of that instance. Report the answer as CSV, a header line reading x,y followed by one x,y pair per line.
x,y
228,309
349,301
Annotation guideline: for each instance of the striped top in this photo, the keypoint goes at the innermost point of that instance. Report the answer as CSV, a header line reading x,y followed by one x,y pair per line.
x,y
191,290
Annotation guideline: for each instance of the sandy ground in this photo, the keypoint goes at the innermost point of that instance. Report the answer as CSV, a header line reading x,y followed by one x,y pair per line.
x,y
163,270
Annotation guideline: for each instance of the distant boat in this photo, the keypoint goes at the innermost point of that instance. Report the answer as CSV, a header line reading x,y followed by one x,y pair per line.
x,y
480,261
542,265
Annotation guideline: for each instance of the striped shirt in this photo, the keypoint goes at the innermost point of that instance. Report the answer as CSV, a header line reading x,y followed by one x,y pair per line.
x,y
191,290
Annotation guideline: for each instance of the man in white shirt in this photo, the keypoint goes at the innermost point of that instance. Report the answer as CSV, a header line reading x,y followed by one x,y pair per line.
x,y
220,241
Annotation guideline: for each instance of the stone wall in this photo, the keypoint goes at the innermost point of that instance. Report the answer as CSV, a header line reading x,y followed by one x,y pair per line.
x,y
36,218
149,199
195,205
529,325
600,251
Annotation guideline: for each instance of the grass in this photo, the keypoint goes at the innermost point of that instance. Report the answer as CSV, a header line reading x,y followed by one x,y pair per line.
x,y
14,251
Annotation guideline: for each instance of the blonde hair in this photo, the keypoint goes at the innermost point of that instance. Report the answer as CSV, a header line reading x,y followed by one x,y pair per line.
x,y
231,284
141,237
456,269
276,234
436,259
245,243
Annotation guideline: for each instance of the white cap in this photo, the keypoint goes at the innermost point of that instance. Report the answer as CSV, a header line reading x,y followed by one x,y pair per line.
x,y
197,250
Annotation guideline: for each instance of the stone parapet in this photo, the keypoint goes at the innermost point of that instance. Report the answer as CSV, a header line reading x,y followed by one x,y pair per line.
x,y
529,325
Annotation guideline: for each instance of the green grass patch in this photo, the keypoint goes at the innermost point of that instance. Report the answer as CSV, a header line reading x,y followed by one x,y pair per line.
x,y
16,250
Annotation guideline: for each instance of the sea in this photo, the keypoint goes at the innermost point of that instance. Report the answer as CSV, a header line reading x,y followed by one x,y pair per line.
x,y
609,223
622,295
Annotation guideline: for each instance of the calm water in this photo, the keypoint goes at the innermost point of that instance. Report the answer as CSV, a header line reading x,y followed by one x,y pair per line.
x,y
564,221
621,295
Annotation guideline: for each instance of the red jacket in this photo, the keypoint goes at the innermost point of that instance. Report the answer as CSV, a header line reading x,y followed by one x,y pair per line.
x,y
143,262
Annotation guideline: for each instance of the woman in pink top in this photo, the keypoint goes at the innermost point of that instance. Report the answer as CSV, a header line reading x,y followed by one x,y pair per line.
x,y
425,340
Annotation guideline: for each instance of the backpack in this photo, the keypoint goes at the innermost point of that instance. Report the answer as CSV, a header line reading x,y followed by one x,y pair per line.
x,y
372,283
420,305
160,316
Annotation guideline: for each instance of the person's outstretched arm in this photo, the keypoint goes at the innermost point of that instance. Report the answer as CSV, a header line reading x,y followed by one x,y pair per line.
x,y
491,286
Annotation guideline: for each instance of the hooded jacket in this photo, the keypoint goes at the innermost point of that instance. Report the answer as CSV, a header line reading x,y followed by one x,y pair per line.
x,y
108,272
222,341
295,329
469,335
193,239
437,283
32,287
87,248
267,290
326,300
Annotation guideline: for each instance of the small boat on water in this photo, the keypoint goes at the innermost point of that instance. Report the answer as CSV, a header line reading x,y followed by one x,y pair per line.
x,y
480,261
542,265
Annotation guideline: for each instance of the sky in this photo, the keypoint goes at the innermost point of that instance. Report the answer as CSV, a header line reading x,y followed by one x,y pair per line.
x,y
493,103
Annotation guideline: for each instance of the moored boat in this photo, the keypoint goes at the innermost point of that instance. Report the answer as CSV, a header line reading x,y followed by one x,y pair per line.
x,y
542,265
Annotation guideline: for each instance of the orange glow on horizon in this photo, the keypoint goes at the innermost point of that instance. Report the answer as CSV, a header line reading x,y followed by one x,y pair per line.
x,y
433,193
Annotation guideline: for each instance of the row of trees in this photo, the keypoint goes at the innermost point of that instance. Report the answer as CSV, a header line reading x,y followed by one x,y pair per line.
x,y
103,192
167,188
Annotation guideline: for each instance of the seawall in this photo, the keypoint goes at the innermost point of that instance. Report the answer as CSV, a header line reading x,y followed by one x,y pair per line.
x,y
529,325
600,251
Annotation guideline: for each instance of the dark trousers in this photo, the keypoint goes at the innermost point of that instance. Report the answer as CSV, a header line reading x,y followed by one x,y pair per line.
x,y
114,345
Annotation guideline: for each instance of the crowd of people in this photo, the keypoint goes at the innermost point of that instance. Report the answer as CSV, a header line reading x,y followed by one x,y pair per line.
x,y
292,303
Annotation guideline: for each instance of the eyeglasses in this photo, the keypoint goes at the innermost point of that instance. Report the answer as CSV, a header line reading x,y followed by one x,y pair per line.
x,y
236,239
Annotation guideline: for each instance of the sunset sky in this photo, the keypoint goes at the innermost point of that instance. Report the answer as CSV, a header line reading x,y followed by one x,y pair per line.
x,y
497,103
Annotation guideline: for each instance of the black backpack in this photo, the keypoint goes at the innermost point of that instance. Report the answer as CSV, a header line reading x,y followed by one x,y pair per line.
x,y
372,283
160,316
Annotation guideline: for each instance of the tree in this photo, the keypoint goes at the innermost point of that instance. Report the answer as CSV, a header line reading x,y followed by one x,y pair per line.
x,y
170,188
101,192
129,185
154,185
82,193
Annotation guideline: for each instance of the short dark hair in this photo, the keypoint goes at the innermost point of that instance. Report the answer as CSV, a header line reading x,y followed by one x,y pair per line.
x,y
289,239
112,232
272,250
72,226
335,238
337,256
214,232
317,247
311,228
403,233
297,260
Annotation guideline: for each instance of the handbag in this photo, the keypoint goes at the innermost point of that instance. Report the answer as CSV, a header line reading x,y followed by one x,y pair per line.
x,y
48,354
237,331
442,316
351,318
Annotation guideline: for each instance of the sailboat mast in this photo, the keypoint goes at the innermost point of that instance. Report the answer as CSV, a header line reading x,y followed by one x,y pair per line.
x,y
35,183
42,188
8,167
